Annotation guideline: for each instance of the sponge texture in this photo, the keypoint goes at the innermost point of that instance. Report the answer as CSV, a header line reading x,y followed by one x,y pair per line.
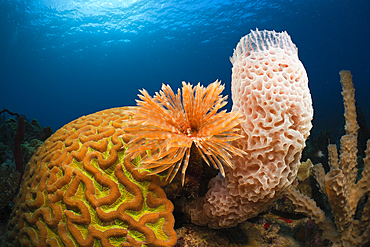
x,y
270,89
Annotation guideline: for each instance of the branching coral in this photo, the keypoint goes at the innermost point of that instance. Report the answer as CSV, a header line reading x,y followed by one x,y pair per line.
x,y
270,88
352,222
81,189
165,127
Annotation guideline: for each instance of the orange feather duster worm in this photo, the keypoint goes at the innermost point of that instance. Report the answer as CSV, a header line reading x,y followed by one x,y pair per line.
x,y
164,127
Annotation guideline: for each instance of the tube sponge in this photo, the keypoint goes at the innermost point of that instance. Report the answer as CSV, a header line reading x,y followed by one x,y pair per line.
x,y
268,79
270,89
349,102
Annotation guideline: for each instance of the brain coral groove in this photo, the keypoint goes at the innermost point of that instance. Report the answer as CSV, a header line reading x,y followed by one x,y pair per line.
x,y
79,189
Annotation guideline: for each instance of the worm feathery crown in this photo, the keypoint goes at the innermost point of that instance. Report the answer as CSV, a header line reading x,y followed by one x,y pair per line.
x,y
164,127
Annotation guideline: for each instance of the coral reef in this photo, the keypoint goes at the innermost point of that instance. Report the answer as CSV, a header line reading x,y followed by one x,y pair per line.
x,y
9,180
34,135
348,200
19,139
270,88
81,189
265,230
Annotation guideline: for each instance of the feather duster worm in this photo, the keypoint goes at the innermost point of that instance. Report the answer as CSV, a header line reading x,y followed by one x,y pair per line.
x,y
164,127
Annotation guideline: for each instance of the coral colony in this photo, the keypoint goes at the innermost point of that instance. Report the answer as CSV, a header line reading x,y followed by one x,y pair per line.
x,y
98,181
86,188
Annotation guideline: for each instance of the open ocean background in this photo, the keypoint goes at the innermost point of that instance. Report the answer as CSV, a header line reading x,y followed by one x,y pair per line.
x,y
61,59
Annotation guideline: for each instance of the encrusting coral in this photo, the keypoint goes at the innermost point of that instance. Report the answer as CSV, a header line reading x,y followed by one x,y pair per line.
x,y
351,226
270,88
81,189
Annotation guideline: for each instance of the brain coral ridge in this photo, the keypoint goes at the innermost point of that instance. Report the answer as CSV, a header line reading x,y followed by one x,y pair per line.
x,y
80,190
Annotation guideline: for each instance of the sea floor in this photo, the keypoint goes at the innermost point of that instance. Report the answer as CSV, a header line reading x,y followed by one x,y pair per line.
x,y
265,230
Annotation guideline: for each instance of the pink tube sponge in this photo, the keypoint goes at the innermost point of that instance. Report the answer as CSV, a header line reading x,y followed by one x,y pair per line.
x,y
268,79
270,89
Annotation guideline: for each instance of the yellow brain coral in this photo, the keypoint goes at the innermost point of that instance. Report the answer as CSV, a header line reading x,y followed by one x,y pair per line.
x,y
80,190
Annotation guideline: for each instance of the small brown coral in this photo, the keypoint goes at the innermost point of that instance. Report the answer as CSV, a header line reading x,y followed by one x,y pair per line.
x,y
167,125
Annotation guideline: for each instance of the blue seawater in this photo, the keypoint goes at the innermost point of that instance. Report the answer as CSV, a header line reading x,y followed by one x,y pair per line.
x,y
61,59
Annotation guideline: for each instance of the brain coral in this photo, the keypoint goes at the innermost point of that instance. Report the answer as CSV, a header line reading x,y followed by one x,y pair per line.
x,y
80,190
270,88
